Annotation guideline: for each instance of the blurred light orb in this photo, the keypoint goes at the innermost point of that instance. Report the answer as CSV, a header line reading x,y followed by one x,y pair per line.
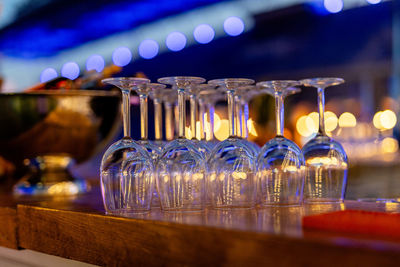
x,y
333,6
95,62
148,49
389,145
331,121
223,132
70,70
347,120
377,120
313,122
48,74
388,119
373,2
203,33
176,41
251,127
122,56
233,26
303,126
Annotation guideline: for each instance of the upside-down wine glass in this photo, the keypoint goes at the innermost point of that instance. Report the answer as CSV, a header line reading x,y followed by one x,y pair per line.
x,y
326,160
280,164
231,176
181,166
123,192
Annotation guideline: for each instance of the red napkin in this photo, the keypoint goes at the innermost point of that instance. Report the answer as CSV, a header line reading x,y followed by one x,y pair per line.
x,y
356,221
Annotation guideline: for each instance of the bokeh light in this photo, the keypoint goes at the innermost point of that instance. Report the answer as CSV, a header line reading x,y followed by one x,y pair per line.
x,y
347,119
122,56
333,6
388,119
302,126
70,70
233,26
176,41
252,128
148,49
373,2
203,33
223,131
331,121
48,74
389,145
377,120
95,62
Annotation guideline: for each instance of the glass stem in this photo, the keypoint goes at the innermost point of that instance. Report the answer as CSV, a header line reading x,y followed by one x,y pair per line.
x,y
321,110
169,124
158,119
280,116
202,114
238,115
126,114
181,113
231,112
193,115
245,106
143,117
210,115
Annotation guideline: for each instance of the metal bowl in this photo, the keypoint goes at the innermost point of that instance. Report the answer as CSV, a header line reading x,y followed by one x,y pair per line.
x,y
49,130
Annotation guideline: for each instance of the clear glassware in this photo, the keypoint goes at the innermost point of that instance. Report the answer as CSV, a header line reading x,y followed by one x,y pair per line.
x,y
169,98
157,93
280,164
181,166
126,190
326,160
231,174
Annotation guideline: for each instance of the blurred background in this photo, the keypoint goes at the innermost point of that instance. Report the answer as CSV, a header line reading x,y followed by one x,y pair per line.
x,y
358,40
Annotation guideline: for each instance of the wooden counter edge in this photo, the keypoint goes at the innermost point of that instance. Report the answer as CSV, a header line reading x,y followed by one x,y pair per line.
x,y
113,241
8,227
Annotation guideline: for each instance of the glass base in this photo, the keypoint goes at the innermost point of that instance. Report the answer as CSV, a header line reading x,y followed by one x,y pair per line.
x,y
128,212
185,210
275,204
49,176
323,201
234,207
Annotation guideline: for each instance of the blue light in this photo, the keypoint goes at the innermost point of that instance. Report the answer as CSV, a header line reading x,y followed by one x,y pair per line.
x,y
70,70
176,41
48,74
122,56
95,62
204,33
148,49
373,2
333,6
233,26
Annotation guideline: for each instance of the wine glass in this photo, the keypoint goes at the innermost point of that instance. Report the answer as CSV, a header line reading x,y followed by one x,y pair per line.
x,y
231,179
280,164
181,166
126,190
156,93
326,160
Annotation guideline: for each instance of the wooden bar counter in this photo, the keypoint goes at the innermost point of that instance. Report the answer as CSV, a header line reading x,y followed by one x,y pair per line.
x,y
77,228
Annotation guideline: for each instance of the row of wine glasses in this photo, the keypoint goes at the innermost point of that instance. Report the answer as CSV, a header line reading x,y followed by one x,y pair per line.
x,y
235,173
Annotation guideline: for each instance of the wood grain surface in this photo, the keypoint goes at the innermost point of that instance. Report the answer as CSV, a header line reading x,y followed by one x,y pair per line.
x,y
78,229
